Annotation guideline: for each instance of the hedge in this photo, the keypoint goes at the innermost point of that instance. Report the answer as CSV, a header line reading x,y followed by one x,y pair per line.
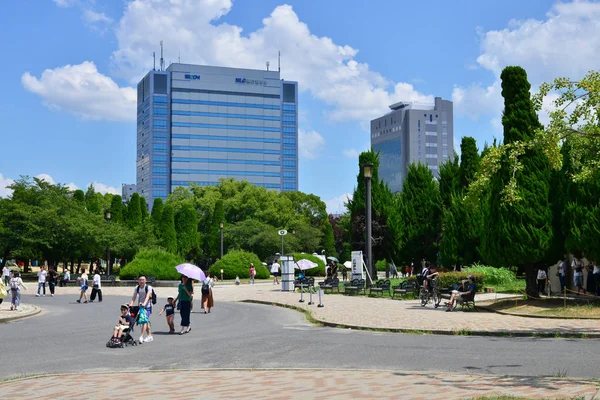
x,y
316,271
237,262
152,261
447,279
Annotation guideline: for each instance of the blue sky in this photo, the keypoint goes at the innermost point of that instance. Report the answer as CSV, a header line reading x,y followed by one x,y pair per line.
x,y
68,104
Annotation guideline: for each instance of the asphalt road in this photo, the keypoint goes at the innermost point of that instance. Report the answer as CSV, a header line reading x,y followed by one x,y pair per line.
x,y
71,337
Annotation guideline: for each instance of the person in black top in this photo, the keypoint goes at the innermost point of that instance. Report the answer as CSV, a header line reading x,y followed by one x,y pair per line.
x,y
169,309
471,289
124,322
52,279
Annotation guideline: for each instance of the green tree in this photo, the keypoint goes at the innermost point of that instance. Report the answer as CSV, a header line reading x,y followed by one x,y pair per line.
x,y
519,231
186,225
144,208
419,215
79,196
329,240
92,203
449,180
116,210
469,161
134,211
168,235
213,239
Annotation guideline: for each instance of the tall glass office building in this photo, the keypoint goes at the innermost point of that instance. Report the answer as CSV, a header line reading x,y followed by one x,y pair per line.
x,y
198,124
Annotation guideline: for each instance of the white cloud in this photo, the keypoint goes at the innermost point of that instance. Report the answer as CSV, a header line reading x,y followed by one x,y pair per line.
x,y
83,91
4,183
47,178
64,3
565,43
336,205
310,144
72,187
93,17
103,188
328,70
351,153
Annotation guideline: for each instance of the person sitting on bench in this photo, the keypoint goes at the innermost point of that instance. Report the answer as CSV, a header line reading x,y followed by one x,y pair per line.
x,y
468,294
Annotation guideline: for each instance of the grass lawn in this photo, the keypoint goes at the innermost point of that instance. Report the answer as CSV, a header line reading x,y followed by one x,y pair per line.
x,y
551,308
517,286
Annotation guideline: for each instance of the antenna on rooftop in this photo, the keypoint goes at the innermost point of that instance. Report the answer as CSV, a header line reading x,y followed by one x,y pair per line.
x,y
268,63
162,60
179,58
153,61
279,62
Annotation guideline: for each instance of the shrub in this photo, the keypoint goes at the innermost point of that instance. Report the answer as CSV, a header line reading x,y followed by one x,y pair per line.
x,y
493,276
152,261
448,279
316,271
237,262
380,265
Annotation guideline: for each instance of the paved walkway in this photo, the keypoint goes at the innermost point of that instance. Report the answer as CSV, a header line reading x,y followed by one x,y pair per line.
x,y
24,311
296,384
377,313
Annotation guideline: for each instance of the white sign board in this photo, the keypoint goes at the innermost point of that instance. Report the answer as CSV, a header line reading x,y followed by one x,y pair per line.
x,y
282,232
357,265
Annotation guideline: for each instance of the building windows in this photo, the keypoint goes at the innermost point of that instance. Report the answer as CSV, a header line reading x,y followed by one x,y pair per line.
x,y
159,193
224,115
291,141
160,123
159,160
159,171
289,174
159,134
219,126
289,163
159,181
431,155
289,107
224,149
289,119
289,131
223,161
289,186
289,153
159,111
226,104
230,138
160,147
225,172
160,99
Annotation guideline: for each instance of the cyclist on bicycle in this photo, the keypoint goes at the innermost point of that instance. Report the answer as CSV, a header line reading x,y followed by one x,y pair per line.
x,y
428,277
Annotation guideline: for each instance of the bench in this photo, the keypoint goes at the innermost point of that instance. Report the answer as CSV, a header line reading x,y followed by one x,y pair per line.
x,y
404,288
304,283
355,286
382,286
467,301
330,284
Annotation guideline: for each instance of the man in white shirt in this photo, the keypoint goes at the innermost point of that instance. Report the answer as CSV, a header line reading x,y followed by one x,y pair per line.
x,y
6,274
275,272
143,292
42,281
96,288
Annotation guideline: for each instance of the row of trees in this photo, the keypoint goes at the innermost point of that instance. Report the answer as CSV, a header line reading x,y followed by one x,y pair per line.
x,y
515,204
49,222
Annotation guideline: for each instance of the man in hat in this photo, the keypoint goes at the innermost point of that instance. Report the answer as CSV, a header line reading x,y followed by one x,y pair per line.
x,y
471,289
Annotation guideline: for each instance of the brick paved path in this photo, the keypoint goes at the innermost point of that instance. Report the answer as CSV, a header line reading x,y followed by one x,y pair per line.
x,y
297,384
361,311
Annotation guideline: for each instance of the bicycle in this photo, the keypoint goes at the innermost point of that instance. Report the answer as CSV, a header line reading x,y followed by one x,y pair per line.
x,y
425,295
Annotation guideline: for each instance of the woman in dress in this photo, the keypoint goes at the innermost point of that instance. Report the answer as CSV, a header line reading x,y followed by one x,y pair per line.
x,y
185,296
207,295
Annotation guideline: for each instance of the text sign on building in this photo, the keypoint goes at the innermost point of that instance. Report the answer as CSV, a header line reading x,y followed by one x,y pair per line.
x,y
189,76
251,81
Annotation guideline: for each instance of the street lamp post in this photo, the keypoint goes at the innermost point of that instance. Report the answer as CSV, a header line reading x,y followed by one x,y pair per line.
x,y
282,233
107,217
221,226
368,174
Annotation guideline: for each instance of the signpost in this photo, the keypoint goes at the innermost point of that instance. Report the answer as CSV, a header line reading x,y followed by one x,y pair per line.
x,y
282,233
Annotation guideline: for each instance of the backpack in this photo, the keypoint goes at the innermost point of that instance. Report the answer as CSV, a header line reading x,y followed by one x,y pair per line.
x,y
153,294
14,284
205,288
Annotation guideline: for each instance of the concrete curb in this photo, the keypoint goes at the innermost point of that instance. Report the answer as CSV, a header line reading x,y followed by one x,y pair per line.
x,y
316,321
36,310
490,309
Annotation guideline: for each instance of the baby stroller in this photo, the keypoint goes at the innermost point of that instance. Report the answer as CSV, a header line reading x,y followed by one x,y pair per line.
x,y
126,338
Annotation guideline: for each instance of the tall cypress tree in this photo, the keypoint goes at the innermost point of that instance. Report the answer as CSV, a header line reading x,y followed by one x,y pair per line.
x,y
469,161
79,196
144,208
449,180
92,203
519,233
156,217
117,209
186,226
134,211
168,235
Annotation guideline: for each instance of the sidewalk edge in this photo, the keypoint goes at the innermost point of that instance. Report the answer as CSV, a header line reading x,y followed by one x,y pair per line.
x,y
36,311
461,332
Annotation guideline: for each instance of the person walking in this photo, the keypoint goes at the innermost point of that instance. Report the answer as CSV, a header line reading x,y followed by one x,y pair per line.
x,y
542,277
6,274
16,283
65,279
275,272
42,273
207,294
96,287
578,275
143,292
83,281
252,273
185,294
561,275
52,279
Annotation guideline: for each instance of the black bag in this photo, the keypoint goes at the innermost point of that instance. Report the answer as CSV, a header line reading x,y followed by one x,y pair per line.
x,y
153,294
205,288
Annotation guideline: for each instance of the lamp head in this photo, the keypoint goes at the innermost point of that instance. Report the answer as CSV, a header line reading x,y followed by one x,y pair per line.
x,y
368,170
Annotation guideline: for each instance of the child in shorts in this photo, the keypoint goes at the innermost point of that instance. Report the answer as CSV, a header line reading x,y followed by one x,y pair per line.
x,y
124,322
169,308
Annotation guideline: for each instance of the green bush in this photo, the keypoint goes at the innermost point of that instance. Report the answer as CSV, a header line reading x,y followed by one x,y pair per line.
x,y
380,265
153,261
316,271
448,279
493,276
237,262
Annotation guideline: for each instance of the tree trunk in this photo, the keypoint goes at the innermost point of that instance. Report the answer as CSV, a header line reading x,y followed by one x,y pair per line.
x,y
531,281
26,265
